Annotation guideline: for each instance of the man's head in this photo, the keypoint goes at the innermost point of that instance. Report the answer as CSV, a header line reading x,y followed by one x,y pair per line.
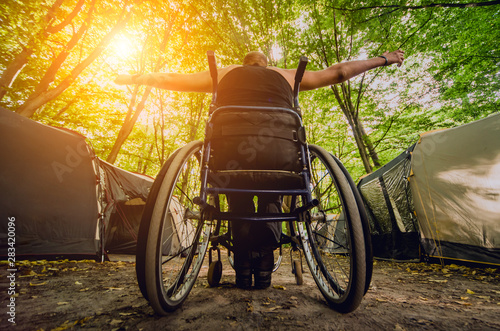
x,y
255,59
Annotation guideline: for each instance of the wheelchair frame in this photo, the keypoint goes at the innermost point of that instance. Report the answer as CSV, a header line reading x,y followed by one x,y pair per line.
x,y
177,229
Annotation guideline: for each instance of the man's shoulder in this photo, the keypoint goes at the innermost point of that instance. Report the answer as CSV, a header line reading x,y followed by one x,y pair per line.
x,y
288,74
225,70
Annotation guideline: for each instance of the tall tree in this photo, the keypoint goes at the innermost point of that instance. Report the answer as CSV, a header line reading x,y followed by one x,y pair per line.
x,y
43,92
162,28
333,37
47,26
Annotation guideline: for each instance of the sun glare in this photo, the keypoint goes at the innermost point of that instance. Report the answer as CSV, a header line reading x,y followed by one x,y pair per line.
x,y
276,52
122,47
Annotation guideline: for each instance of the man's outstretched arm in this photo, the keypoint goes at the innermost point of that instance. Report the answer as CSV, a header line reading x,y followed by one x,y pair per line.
x,y
197,82
343,71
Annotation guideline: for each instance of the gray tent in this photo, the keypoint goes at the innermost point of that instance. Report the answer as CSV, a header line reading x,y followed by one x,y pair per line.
x,y
125,195
65,201
389,205
447,205
456,191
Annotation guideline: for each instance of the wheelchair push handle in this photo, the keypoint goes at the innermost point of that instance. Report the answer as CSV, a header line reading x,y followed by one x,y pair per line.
x,y
212,64
301,68
298,78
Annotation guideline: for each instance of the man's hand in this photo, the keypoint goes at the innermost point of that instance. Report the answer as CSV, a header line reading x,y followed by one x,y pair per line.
x,y
124,79
395,57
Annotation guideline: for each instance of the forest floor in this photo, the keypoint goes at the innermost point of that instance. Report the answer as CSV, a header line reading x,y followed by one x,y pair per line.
x,y
59,295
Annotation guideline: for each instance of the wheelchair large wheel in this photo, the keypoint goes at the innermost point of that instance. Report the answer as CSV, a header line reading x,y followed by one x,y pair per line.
x,y
333,239
178,235
365,222
142,238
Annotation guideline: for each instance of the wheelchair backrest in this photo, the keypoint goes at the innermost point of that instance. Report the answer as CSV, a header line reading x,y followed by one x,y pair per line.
x,y
255,138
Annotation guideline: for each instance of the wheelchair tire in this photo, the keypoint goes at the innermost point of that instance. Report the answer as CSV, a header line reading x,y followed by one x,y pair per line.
x,y
177,239
333,242
365,222
142,238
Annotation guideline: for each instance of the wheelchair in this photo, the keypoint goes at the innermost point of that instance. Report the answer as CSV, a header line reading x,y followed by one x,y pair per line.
x,y
186,212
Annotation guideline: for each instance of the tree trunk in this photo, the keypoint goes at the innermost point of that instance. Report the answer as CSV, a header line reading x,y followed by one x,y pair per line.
x,y
13,69
354,124
128,125
129,122
368,143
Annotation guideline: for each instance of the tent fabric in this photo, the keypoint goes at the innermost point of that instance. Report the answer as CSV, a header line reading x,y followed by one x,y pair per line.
x,y
456,191
389,206
125,197
125,184
65,201
48,184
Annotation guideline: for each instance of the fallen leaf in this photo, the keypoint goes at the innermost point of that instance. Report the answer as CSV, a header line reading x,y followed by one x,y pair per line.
x,y
78,283
37,284
438,280
109,289
66,325
83,320
398,327
464,303
279,287
470,292
31,274
61,303
381,300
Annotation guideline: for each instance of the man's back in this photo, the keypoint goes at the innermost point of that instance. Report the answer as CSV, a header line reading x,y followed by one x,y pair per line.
x,y
254,86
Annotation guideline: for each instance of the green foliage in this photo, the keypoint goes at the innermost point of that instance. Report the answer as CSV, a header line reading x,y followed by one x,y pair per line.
x,y
450,76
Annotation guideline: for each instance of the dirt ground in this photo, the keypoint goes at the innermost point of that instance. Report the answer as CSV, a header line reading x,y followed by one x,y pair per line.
x,y
59,295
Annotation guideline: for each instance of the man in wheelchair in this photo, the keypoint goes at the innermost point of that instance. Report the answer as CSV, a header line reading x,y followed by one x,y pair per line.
x,y
256,84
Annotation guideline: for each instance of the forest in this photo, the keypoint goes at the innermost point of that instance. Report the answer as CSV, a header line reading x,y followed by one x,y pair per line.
x,y
59,59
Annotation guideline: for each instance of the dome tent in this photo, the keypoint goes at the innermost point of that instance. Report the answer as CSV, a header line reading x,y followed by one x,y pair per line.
x,y
64,200
441,198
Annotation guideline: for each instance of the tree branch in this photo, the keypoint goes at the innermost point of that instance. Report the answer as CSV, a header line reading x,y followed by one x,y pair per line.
x,y
431,5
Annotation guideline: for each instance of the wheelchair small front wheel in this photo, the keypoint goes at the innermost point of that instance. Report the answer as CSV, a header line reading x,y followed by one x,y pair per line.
x,y
178,234
297,271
